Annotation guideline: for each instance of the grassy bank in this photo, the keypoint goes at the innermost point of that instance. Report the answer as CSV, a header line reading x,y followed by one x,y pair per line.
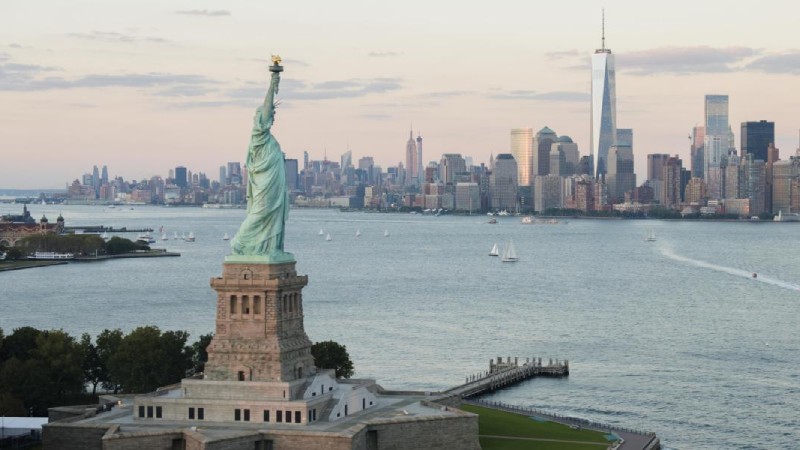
x,y
26,264
500,430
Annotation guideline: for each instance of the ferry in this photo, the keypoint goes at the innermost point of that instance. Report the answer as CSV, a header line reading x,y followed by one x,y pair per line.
x,y
788,217
52,256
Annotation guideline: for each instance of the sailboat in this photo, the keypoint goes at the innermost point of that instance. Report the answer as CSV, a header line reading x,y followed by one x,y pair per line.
x,y
328,237
650,237
105,235
494,251
321,232
174,235
385,233
164,236
190,237
510,254
358,233
225,237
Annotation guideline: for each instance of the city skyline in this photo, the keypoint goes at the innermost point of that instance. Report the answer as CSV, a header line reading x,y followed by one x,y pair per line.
x,y
146,86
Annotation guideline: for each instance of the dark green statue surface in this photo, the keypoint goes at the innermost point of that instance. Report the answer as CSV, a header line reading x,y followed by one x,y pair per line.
x,y
260,237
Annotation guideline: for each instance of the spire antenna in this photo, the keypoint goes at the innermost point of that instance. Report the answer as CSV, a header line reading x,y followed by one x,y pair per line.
x,y
604,29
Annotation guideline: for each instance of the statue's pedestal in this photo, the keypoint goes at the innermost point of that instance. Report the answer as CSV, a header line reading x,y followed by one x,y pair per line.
x,y
259,334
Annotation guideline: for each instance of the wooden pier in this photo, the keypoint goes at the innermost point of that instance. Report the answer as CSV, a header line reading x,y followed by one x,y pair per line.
x,y
506,373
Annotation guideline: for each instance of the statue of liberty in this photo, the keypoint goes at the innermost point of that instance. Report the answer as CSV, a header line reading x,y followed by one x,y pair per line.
x,y
261,233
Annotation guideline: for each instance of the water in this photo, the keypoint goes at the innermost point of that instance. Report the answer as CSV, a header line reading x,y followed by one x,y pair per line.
x,y
673,336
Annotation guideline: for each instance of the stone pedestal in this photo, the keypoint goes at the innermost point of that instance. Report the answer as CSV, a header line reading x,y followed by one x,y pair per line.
x,y
259,334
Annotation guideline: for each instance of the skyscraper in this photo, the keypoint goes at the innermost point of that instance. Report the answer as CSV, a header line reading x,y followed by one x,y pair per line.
x,y
716,143
522,151
223,176
104,175
756,137
503,182
542,144
347,159
420,170
412,165
180,176
697,149
603,126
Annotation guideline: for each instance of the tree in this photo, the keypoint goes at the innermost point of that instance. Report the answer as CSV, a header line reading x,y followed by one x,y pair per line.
x,y
94,371
147,359
117,245
332,355
199,353
19,344
107,343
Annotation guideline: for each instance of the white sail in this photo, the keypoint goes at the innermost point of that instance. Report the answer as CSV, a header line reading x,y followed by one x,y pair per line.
x,y
321,233
495,251
226,237
328,237
358,233
385,233
510,254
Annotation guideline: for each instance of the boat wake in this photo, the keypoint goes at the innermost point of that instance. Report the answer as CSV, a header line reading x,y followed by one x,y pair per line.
x,y
669,253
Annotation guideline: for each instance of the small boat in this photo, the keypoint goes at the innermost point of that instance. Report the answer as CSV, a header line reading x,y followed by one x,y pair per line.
x,y
190,237
145,238
164,236
225,237
385,233
495,251
105,236
358,233
328,237
321,233
112,206
492,220
174,235
651,237
755,275
510,254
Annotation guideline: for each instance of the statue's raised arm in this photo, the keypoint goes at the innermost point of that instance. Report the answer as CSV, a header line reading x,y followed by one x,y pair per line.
x,y
268,116
260,238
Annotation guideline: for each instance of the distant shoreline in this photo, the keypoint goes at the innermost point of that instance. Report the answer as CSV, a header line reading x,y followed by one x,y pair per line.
x,y
6,266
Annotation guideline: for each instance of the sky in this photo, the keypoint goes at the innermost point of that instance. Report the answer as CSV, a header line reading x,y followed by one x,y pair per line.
x,y
144,86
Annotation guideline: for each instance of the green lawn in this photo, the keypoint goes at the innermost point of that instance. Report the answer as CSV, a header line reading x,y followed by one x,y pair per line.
x,y
492,422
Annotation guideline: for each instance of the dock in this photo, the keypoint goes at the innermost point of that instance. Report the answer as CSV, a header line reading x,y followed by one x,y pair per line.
x,y
508,372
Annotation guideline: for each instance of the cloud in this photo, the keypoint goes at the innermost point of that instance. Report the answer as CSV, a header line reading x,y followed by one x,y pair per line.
x,y
205,12
14,45
553,96
185,90
383,54
30,77
339,88
116,37
447,94
685,60
563,54
4,57
784,63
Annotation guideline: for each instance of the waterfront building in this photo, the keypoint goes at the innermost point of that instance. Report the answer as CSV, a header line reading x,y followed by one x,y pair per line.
x,y
603,125
734,176
695,191
756,138
785,181
755,186
522,150
620,177
671,171
584,195
547,192
503,183
542,143
468,197
14,228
